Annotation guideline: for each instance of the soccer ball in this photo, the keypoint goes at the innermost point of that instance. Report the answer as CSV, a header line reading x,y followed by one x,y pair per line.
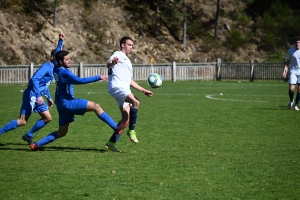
x,y
154,80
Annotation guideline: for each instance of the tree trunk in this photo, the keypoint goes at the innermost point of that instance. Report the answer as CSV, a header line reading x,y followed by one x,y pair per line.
x,y
217,19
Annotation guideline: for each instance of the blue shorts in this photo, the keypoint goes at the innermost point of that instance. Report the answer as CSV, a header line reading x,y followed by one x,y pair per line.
x,y
30,104
69,108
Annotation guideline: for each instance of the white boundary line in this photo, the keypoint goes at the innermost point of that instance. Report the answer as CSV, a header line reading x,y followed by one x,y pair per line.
x,y
211,96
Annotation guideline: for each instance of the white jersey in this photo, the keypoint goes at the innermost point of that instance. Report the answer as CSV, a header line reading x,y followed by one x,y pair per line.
x,y
120,75
294,56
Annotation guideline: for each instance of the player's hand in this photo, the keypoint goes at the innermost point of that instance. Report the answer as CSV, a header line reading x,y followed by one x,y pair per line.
x,y
284,74
115,60
148,93
61,36
104,77
40,100
50,103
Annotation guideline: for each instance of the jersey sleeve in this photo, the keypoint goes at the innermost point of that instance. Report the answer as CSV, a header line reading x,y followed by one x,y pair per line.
x,y
70,78
40,73
59,47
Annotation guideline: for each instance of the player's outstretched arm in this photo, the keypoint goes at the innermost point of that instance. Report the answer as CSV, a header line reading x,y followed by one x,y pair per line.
x,y
112,62
139,88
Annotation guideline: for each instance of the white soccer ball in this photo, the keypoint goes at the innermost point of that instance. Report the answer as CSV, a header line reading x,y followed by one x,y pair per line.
x,y
154,80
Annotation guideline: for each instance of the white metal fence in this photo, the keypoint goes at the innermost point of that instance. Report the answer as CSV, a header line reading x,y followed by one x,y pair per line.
x,y
20,74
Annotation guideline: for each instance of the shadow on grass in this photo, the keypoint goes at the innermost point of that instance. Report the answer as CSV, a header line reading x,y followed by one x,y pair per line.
x,y
53,148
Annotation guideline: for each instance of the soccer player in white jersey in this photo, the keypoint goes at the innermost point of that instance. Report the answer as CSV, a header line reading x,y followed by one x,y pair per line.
x,y
293,58
119,83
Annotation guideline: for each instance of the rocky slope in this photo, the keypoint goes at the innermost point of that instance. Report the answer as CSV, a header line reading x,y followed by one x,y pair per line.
x,y
24,40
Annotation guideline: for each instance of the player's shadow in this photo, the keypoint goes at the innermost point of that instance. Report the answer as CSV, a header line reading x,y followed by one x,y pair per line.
x,y
51,148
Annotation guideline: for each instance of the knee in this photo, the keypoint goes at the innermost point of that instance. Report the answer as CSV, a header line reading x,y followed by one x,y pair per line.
x,y
48,119
61,133
98,108
136,103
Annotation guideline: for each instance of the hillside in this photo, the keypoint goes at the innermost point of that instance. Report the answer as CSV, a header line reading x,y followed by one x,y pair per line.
x,y
27,38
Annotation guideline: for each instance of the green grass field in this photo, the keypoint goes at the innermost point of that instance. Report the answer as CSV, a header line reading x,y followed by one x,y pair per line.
x,y
194,143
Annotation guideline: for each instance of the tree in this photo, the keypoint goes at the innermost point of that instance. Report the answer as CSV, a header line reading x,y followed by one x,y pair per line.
x,y
217,19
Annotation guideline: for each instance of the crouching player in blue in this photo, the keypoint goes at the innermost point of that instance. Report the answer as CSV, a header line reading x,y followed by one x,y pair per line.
x,y
33,97
67,105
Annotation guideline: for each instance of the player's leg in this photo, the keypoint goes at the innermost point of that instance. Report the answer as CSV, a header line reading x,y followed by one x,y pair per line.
x,y
13,124
292,83
133,113
62,131
25,112
45,119
110,145
64,121
92,106
298,94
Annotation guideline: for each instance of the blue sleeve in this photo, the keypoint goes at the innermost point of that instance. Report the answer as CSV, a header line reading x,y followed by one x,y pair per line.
x,y
58,48
70,78
39,74
47,94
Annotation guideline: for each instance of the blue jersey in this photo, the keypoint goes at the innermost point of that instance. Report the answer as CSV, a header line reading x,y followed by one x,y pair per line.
x,y
65,79
43,77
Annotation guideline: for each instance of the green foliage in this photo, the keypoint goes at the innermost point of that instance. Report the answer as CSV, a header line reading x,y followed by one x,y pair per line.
x,y
236,146
237,39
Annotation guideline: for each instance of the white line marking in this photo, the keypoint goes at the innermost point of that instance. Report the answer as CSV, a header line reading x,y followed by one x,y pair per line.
x,y
211,96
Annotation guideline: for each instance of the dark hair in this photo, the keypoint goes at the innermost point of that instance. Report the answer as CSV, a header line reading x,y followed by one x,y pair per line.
x,y
124,39
60,55
53,52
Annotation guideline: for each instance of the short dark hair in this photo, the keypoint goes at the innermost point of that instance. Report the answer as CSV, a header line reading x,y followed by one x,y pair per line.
x,y
53,52
60,55
297,38
124,39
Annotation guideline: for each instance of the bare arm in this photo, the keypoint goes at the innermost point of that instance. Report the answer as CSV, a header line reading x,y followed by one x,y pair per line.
x,y
286,67
111,63
141,89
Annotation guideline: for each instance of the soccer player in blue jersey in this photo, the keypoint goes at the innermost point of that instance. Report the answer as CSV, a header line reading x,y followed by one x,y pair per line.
x,y
67,105
293,58
33,97
119,83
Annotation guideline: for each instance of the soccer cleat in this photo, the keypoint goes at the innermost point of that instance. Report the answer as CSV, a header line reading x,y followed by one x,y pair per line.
x,y
34,146
27,139
132,135
111,147
290,105
121,126
296,108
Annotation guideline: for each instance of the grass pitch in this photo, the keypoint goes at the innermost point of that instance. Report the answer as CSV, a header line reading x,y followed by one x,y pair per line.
x,y
194,143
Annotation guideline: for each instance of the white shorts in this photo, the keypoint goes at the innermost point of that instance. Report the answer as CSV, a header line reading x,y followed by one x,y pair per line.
x,y
120,95
294,78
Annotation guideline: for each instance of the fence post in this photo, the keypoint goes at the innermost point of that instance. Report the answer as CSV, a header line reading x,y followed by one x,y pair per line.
x,y
31,70
80,73
174,71
251,71
218,66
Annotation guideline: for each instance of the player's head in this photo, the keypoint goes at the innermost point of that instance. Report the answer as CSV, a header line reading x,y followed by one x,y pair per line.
x,y
52,55
126,44
63,58
297,42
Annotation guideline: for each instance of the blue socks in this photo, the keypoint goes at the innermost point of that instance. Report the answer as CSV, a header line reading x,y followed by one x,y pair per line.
x,y
48,139
9,126
133,117
38,125
108,120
